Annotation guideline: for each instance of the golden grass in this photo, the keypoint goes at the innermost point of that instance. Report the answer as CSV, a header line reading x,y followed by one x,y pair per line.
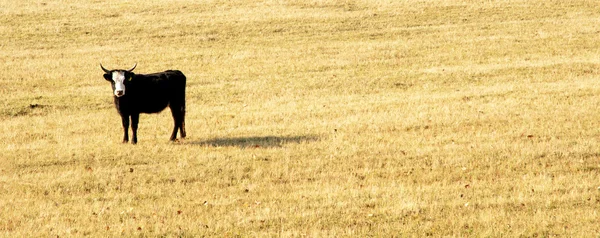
x,y
319,118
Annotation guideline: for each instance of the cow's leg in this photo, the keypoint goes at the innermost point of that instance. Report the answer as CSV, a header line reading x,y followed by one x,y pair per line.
x,y
135,119
125,119
174,134
176,126
182,125
177,121
182,128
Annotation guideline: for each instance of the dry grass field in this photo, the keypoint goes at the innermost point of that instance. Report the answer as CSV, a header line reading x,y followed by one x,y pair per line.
x,y
316,118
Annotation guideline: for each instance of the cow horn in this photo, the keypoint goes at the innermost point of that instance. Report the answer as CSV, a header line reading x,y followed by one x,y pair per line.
x,y
132,67
105,70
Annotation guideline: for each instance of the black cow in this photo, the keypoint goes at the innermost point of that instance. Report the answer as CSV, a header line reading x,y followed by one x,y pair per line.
x,y
147,93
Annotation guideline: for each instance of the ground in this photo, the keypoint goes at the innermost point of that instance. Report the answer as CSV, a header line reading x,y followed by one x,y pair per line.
x,y
319,118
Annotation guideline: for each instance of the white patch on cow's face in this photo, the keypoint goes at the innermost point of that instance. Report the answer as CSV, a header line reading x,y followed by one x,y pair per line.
x,y
119,78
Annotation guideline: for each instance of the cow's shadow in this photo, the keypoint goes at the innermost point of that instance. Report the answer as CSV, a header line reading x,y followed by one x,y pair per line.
x,y
254,141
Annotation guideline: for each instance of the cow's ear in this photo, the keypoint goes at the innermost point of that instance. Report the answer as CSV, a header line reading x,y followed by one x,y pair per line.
x,y
129,76
108,77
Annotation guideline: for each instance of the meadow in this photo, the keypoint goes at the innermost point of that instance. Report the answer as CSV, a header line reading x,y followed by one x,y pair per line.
x,y
316,118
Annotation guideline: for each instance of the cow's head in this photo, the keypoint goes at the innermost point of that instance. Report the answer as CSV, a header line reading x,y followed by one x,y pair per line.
x,y
118,78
